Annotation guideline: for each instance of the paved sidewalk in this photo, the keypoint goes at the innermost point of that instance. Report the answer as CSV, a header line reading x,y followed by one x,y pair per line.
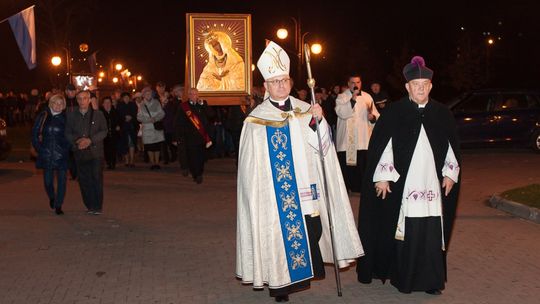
x,y
164,239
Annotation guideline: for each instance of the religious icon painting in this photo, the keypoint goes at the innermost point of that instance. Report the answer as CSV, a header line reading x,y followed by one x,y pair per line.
x,y
218,53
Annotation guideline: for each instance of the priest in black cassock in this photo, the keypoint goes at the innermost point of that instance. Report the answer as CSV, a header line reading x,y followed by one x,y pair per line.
x,y
409,195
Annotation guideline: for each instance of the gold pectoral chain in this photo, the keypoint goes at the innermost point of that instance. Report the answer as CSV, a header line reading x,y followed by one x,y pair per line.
x,y
277,124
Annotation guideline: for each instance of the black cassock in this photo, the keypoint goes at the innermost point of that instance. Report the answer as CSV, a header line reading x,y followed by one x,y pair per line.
x,y
418,262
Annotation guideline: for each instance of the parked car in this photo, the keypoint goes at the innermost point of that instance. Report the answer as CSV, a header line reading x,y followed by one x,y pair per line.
x,y
5,147
497,116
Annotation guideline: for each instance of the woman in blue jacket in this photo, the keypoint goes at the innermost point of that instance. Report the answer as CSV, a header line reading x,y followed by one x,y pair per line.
x,y
53,148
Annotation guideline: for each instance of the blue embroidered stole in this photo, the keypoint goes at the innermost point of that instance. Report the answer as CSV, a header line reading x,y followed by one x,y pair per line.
x,y
288,203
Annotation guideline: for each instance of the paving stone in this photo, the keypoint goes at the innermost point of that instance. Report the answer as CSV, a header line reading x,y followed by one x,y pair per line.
x,y
163,239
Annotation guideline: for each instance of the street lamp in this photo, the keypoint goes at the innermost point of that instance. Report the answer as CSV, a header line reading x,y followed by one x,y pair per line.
x,y
56,60
299,39
83,47
489,44
316,48
282,33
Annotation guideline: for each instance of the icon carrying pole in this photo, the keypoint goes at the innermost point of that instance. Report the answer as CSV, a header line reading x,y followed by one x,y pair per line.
x,y
311,85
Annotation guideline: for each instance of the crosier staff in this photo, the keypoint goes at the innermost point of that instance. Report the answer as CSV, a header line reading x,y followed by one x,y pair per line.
x,y
311,85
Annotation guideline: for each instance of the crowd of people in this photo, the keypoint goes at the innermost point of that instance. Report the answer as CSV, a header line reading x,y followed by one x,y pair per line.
x,y
294,215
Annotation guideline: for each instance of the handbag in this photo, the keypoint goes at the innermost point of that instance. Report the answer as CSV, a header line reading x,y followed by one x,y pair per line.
x,y
33,151
158,125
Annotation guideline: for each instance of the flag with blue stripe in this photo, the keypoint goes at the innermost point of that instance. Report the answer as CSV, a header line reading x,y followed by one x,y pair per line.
x,y
23,27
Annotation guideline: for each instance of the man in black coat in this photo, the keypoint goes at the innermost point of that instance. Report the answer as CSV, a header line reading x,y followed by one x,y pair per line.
x,y
191,135
410,190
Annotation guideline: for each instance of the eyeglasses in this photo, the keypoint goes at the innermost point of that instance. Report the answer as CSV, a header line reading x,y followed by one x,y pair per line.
x,y
277,82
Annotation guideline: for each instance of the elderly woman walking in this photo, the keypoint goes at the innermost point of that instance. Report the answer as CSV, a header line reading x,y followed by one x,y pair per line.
x,y
53,149
151,115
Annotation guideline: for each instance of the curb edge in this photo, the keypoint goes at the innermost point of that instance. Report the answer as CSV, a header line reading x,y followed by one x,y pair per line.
x,y
529,213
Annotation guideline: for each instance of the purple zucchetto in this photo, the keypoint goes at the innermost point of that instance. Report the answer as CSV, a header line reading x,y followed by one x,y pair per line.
x,y
417,69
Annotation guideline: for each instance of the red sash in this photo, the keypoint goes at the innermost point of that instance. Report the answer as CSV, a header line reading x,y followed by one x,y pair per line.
x,y
195,121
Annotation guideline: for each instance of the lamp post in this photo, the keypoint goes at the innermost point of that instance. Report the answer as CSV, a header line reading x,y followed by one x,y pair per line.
x,y
489,45
299,39
57,61
68,63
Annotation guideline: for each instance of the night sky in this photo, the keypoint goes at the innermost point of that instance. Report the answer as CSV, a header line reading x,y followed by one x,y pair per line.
x,y
375,38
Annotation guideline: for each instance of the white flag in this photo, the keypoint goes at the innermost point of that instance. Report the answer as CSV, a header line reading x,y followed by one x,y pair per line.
x,y
24,29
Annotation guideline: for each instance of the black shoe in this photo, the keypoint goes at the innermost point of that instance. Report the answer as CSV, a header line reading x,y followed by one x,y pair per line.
x,y
51,204
282,298
434,292
58,211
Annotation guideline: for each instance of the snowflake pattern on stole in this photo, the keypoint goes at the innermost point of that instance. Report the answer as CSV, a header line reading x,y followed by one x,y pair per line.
x,y
288,200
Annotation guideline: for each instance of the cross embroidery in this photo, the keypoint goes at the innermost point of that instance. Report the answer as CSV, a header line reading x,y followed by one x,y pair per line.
x,y
281,155
285,186
386,167
291,216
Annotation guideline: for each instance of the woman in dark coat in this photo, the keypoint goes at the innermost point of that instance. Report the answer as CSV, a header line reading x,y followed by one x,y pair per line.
x,y
129,126
53,149
111,141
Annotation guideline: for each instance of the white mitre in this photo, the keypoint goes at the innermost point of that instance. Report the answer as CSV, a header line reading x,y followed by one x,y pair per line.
x,y
274,61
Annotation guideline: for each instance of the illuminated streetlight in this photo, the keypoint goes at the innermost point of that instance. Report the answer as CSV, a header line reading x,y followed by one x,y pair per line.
x,y
282,33
489,44
83,47
56,60
316,48
299,39
118,66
